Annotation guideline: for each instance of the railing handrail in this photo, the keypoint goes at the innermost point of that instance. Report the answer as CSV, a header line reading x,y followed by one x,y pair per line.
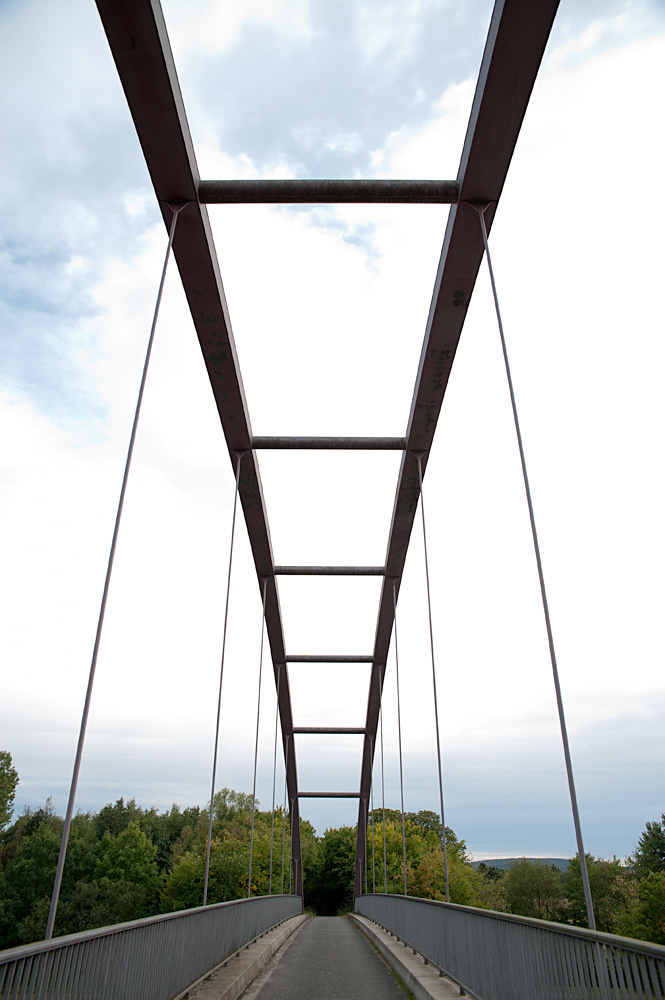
x,y
39,947
604,937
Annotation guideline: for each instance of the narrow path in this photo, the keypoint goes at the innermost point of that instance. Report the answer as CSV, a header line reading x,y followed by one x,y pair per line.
x,y
329,959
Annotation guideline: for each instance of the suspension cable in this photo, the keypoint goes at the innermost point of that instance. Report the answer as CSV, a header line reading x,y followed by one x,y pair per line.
x,y
436,701
286,762
383,805
399,733
550,638
274,777
291,846
176,209
221,677
256,744
371,792
366,825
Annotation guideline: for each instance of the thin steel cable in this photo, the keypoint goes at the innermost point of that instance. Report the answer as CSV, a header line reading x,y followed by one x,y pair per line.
x,y
365,861
102,611
436,701
399,734
383,806
221,677
274,777
371,792
256,743
291,848
286,762
550,638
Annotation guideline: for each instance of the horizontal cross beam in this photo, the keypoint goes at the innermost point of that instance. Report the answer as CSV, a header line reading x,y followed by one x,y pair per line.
x,y
328,795
329,571
330,730
315,192
329,659
329,443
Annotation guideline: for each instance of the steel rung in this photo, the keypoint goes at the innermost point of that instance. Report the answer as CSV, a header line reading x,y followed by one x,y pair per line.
x,y
329,443
329,659
329,571
330,730
313,192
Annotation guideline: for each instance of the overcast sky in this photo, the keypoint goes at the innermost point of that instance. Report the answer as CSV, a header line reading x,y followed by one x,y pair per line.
x,y
328,307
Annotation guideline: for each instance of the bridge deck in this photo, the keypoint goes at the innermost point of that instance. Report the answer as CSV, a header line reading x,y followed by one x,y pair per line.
x,y
329,958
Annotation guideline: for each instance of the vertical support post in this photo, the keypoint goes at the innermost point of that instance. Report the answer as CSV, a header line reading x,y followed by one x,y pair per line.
x,y
481,209
221,677
264,581
176,209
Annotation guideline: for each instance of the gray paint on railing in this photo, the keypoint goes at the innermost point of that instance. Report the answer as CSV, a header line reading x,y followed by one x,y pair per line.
x,y
500,956
155,959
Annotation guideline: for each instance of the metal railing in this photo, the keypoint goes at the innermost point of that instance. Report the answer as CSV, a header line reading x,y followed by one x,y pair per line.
x,y
499,956
157,958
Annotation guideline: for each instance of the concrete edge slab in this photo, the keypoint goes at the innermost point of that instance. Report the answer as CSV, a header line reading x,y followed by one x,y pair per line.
x,y
232,977
423,980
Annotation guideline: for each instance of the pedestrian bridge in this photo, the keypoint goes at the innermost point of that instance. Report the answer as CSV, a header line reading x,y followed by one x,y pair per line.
x,y
487,955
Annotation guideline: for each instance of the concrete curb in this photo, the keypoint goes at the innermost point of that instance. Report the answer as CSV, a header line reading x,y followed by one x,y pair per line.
x,y
232,977
423,980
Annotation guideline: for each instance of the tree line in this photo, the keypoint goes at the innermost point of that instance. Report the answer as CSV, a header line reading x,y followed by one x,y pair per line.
x,y
126,862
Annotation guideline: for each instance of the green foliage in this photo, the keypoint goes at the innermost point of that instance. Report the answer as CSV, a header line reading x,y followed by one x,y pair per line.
x,y
229,866
649,915
650,851
607,880
130,858
8,783
533,889
332,887
126,862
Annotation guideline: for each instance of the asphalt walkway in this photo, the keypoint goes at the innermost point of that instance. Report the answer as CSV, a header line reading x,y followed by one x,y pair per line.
x,y
327,959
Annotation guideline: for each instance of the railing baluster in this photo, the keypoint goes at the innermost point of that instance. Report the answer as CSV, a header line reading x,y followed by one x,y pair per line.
x,y
500,955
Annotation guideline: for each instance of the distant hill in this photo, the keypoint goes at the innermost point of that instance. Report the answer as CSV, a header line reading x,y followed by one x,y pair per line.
x,y
561,863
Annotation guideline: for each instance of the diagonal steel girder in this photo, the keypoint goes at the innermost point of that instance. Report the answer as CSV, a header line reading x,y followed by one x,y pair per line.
x,y
139,43
516,40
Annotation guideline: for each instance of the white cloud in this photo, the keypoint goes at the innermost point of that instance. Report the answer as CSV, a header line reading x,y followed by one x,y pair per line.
x,y
205,27
329,309
390,29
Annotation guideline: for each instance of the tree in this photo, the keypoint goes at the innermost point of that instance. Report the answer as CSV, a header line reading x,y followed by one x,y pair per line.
x,y
115,819
650,852
650,914
533,889
607,880
8,783
29,882
229,867
130,857
332,886
228,803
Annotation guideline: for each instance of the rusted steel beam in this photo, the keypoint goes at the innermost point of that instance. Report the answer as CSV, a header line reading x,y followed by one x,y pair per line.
x,y
328,795
516,40
329,730
329,571
317,192
328,658
329,443
139,43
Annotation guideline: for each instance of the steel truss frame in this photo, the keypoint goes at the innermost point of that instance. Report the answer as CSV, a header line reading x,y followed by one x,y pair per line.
x,y
139,43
